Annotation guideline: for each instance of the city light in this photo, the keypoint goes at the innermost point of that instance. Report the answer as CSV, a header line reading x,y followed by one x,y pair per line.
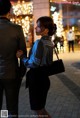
x,y
22,14
23,7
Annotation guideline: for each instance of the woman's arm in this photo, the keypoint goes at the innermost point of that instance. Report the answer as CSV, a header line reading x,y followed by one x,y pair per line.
x,y
35,57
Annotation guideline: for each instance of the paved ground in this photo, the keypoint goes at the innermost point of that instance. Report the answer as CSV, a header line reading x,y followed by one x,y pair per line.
x,y
63,99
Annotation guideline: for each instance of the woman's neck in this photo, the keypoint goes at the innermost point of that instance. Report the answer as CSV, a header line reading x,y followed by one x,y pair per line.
x,y
45,35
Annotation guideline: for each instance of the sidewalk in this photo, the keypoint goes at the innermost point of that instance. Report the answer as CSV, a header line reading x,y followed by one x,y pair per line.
x,y
63,99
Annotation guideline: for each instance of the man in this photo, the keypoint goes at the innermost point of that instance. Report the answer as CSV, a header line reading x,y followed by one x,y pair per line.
x,y
11,40
70,39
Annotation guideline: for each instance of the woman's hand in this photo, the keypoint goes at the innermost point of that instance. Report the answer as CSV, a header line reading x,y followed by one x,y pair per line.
x,y
19,53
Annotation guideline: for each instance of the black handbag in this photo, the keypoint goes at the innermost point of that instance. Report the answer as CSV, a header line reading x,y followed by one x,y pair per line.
x,y
55,67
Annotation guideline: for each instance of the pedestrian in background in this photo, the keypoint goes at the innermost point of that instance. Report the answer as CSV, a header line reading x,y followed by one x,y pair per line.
x,y
11,40
41,54
56,42
62,43
70,39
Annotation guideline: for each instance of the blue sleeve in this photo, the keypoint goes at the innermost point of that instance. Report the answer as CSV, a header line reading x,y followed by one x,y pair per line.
x,y
35,57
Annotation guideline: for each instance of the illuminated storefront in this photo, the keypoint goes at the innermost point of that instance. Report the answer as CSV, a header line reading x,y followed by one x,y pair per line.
x,y
22,14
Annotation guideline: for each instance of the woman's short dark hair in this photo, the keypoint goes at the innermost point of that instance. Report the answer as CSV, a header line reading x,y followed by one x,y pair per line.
x,y
47,22
5,6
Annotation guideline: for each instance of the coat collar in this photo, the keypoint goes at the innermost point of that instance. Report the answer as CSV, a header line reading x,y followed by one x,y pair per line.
x,y
45,38
4,18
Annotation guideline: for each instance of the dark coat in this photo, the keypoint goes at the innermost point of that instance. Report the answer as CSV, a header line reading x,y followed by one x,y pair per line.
x,y
11,40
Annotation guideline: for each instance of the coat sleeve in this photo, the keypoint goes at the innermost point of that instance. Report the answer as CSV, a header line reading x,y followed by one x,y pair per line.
x,y
22,46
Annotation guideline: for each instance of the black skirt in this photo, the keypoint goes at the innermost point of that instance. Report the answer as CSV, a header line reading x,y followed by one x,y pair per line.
x,y
38,84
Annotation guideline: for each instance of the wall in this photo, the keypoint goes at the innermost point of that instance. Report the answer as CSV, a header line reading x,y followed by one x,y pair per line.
x,y
40,8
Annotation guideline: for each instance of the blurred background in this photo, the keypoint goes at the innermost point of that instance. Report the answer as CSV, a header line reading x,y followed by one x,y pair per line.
x,y
65,13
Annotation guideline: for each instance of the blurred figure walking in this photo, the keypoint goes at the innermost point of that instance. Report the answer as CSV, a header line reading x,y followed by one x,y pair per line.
x,y
70,39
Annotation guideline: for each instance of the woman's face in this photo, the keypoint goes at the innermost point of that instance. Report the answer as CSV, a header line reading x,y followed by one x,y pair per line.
x,y
40,30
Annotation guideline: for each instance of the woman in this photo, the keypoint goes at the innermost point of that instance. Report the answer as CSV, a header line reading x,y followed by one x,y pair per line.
x,y
11,40
40,54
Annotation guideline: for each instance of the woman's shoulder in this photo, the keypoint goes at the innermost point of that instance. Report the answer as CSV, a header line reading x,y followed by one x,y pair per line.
x,y
38,42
